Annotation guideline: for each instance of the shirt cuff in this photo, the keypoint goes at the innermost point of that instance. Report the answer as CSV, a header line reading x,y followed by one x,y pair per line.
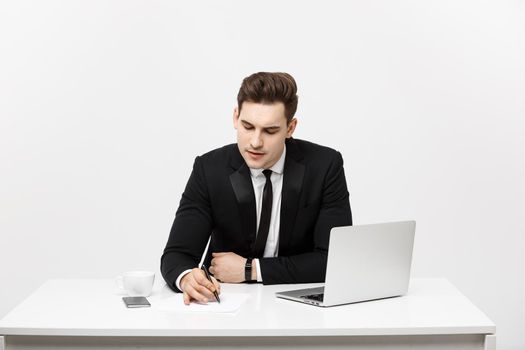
x,y
177,282
259,275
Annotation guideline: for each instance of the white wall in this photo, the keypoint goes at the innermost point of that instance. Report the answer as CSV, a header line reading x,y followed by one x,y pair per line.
x,y
104,105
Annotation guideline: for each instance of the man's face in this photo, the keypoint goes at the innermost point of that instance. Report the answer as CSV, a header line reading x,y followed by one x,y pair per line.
x,y
261,132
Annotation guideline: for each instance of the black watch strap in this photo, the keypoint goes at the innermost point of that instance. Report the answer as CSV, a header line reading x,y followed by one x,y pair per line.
x,y
248,270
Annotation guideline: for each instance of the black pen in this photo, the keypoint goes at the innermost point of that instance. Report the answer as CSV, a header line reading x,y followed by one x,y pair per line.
x,y
209,279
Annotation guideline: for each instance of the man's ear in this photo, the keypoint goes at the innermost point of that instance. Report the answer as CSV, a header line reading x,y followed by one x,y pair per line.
x,y
291,128
235,117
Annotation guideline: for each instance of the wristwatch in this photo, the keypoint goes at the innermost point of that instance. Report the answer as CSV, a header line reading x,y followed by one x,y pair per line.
x,y
248,270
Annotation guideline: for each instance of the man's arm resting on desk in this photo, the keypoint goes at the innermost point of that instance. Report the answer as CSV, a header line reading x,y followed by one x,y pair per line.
x,y
229,267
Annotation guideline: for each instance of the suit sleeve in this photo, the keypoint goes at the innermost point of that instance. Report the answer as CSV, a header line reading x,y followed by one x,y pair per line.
x,y
191,228
334,211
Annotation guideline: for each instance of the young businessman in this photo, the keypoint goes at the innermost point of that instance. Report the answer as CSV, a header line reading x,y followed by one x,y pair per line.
x,y
268,202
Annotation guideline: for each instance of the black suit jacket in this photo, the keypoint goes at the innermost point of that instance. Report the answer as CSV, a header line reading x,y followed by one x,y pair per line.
x,y
219,200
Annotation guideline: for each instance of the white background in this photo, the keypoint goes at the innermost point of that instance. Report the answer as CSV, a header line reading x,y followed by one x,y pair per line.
x,y
105,104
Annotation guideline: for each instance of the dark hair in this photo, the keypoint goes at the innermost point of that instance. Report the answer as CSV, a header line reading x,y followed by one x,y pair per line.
x,y
265,87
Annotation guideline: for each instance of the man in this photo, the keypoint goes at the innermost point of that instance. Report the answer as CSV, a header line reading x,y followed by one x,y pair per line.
x,y
268,202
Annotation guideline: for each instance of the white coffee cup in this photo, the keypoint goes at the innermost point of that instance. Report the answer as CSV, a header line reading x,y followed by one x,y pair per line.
x,y
136,283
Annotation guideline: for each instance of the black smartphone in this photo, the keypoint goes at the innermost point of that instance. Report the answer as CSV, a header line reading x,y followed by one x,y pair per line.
x,y
136,301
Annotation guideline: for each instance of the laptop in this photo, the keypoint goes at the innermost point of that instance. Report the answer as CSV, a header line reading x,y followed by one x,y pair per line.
x,y
365,262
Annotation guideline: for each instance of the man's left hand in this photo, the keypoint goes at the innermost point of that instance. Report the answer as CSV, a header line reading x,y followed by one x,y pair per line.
x,y
228,267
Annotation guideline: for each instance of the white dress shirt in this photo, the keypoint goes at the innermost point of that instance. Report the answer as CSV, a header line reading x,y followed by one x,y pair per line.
x,y
258,180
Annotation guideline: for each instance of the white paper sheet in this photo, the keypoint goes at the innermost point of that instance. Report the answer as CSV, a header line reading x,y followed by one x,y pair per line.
x,y
230,303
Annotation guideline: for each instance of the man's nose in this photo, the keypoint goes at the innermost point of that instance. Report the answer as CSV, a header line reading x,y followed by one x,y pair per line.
x,y
256,141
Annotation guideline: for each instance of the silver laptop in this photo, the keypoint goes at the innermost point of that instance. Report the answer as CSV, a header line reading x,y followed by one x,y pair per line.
x,y
365,262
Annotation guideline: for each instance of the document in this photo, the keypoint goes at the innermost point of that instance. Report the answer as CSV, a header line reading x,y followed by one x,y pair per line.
x,y
230,303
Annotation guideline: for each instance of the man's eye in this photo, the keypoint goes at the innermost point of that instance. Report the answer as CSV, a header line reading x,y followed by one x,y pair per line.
x,y
248,127
271,132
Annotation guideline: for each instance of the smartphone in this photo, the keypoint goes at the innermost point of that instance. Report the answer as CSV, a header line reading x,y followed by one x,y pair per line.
x,y
136,302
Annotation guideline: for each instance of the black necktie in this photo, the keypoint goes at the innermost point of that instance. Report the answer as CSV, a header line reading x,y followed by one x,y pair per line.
x,y
266,215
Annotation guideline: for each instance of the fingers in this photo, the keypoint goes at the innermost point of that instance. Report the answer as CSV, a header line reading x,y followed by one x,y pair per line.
x,y
228,267
217,285
199,294
186,298
197,287
217,260
204,282
216,255
215,272
213,265
205,287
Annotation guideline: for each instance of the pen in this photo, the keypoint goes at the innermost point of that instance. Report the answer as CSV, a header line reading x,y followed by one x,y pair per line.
x,y
209,279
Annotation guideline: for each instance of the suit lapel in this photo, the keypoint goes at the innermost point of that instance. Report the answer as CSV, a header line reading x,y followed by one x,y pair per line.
x,y
292,185
243,188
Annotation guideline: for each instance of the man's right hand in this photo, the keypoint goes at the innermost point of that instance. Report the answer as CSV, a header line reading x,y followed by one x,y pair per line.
x,y
195,286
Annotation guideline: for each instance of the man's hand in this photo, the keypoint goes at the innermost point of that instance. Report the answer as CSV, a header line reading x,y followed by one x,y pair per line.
x,y
195,286
228,267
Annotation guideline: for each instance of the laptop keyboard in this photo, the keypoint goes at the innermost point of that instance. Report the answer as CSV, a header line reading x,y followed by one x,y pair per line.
x,y
317,297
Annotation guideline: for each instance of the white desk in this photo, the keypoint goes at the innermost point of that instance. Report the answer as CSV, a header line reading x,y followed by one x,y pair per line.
x,y
91,314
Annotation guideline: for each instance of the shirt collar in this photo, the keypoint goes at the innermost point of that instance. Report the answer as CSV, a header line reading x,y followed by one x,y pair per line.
x,y
278,167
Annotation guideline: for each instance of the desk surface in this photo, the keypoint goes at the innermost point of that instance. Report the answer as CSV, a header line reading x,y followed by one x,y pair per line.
x,y
92,307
